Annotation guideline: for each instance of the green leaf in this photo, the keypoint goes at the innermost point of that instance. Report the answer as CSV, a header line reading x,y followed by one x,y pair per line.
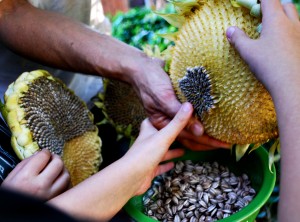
x,y
173,19
272,157
240,151
100,105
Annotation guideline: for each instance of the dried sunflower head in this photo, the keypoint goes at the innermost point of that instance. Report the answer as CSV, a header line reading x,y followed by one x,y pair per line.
x,y
207,71
43,113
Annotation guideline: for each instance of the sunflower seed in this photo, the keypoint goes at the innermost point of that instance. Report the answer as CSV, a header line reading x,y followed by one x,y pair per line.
x,y
176,218
193,219
146,201
191,208
175,200
197,192
181,214
153,206
213,212
203,203
189,214
149,212
220,214
168,201
211,208
202,218
174,209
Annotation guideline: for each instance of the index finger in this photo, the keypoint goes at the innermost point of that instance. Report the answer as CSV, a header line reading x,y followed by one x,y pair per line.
x,y
38,161
53,169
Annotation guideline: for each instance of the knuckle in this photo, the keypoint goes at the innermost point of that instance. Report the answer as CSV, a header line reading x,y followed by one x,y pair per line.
x,y
183,119
44,154
25,175
41,185
58,163
67,176
56,158
158,61
166,95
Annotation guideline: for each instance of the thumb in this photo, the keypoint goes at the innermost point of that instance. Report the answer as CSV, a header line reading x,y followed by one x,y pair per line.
x,y
239,40
177,124
146,129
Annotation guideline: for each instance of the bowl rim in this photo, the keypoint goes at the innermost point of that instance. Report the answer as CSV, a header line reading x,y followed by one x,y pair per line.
x,y
254,206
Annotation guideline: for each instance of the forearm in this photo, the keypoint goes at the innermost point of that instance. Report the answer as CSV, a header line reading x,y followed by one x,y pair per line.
x,y
58,41
287,109
101,196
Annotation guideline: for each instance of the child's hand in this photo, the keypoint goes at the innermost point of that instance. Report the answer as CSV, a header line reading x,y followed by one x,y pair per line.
x,y
274,57
151,146
42,175
102,195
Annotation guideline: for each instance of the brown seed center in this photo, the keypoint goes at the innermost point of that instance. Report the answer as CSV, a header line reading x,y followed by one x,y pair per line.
x,y
54,114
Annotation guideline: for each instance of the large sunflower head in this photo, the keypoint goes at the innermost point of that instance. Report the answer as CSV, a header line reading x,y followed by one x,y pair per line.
x,y
43,113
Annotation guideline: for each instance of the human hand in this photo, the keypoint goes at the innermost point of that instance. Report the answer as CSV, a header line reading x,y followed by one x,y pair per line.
x,y
159,100
151,147
42,175
129,176
274,57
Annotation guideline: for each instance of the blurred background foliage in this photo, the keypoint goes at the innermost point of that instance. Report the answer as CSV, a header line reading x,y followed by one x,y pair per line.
x,y
297,3
140,26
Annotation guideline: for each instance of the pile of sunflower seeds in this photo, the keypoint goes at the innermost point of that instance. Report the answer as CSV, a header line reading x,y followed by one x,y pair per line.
x,y
194,192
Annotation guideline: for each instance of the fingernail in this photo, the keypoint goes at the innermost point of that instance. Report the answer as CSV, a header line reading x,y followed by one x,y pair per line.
x,y
46,150
36,152
186,107
196,129
230,32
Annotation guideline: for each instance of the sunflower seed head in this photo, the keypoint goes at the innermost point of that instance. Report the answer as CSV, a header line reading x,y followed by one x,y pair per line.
x,y
197,87
52,113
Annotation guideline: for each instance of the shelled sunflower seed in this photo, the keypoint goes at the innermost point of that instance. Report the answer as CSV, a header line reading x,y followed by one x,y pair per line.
x,y
194,192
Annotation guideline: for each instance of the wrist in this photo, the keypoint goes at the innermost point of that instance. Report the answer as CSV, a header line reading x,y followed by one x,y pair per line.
x,y
137,68
117,60
138,174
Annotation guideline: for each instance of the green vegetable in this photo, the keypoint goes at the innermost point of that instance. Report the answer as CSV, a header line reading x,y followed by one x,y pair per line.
x,y
140,26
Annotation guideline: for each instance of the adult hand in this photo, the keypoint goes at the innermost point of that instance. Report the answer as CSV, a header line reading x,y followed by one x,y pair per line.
x,y
279,40
160,102
42,175
83,50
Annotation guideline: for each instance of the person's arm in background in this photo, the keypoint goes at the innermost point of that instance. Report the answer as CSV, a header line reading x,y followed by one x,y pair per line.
x,y
42,175
275,60
102,195
57,41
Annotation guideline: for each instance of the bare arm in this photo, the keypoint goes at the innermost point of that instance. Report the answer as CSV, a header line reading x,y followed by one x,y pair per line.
x,y
274,58
58,41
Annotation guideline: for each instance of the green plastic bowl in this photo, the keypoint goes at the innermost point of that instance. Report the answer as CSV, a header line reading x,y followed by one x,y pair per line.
x,y
255,165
